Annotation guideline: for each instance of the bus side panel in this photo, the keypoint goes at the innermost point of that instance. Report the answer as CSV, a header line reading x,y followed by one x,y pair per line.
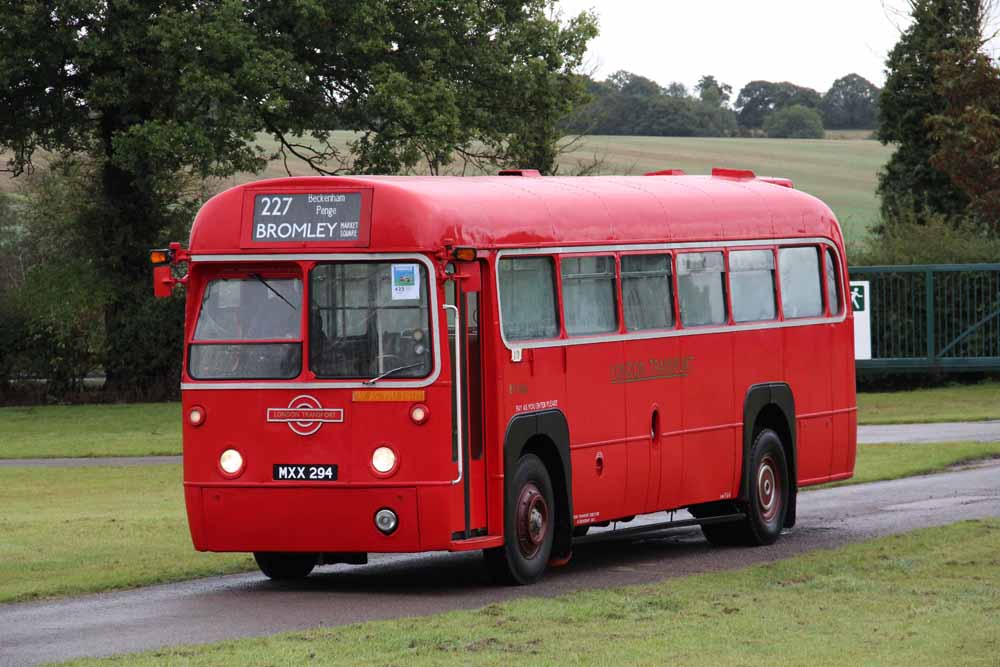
x,y
756,360
808,366
844,398
652,381
595,408
712,426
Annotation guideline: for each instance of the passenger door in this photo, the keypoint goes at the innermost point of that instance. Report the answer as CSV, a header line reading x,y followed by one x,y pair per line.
x,y
466,348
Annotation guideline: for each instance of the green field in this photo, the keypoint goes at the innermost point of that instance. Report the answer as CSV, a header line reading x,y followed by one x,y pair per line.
x,y
925,598
842,172
138,429
65,531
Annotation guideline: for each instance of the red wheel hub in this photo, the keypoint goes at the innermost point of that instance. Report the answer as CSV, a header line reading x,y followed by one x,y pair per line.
x,y
532,520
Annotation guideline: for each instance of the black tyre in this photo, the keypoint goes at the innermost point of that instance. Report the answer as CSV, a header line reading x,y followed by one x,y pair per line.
x,y
529,524
768,489
767,503
285,566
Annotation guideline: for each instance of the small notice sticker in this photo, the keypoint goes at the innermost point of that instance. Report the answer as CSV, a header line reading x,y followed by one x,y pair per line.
x,y
405,282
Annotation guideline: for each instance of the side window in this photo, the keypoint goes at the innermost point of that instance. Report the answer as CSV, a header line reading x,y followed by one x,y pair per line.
x,y
647,292
700,288
588,291
801,294
751,278
832,283
528,298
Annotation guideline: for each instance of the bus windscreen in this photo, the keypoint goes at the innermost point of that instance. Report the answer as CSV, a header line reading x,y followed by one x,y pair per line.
x,y
235,314
369,319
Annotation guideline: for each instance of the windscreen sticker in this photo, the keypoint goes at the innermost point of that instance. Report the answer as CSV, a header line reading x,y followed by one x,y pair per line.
x,y
405,282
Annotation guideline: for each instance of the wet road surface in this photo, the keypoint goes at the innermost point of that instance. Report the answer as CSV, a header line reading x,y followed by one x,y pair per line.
x,y
987,431
245,605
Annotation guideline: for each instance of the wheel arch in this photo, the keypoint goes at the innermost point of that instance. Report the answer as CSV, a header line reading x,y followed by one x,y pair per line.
x,y
771,405
546,435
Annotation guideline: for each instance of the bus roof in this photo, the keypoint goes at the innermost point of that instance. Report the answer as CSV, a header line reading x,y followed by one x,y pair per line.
x,y
427,213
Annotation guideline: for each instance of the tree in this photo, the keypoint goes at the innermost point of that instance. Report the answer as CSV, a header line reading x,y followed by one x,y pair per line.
x,y
155,93
794,122
967,131
713,93
851,103
909,182
758,99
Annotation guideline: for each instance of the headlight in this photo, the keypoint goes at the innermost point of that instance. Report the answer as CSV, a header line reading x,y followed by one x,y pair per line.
x,y
383,460
231,462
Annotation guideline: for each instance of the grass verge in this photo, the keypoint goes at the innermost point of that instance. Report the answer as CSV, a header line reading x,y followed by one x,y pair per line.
x,y
960,403
927,597
140,429
65,531
892,461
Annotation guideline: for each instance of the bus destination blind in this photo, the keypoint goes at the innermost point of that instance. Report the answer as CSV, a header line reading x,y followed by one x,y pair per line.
x,y
306,217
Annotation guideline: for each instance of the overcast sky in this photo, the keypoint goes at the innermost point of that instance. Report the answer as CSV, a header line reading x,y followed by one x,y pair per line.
x,y
807,42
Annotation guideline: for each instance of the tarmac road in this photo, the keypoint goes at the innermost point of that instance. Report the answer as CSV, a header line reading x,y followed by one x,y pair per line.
x,y
213,609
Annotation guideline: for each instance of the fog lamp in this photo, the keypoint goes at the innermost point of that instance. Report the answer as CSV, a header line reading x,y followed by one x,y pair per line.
x,y
231,462
386,521
383,460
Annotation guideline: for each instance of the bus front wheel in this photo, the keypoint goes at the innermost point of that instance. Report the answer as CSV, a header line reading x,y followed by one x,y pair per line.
x,y
529,523
285,566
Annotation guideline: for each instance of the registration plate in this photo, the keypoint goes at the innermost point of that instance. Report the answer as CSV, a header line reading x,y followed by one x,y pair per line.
x,y
305,472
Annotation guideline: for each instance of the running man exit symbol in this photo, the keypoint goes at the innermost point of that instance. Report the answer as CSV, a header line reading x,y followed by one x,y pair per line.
x,y
857,297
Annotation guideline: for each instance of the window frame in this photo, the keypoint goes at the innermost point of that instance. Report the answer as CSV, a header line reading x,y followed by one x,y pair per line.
x,y
205,267
674,249
727,319
285,271
429,285
817,248
616,295
778,315
557,295
674,305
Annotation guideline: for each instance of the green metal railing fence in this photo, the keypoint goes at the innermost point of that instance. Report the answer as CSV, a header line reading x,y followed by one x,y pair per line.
x,y
933,317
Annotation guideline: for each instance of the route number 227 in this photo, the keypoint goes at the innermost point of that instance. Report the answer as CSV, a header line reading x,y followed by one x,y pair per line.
x,y
275,205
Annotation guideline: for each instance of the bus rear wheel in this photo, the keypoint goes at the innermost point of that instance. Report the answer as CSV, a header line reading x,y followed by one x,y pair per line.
x,y
285,566
529,524
767,503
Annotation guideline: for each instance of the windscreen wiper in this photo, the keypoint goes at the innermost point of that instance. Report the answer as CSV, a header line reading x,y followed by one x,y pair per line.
x,y
263,282
394,370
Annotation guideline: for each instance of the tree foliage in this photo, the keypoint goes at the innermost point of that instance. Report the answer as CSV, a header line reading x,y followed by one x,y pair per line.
x,y
967,131
626,103
912,95
851,103
758,99
794,122
156,94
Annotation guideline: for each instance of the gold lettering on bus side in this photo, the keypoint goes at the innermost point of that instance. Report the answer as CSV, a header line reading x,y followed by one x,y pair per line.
x,y
651,369
389,396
